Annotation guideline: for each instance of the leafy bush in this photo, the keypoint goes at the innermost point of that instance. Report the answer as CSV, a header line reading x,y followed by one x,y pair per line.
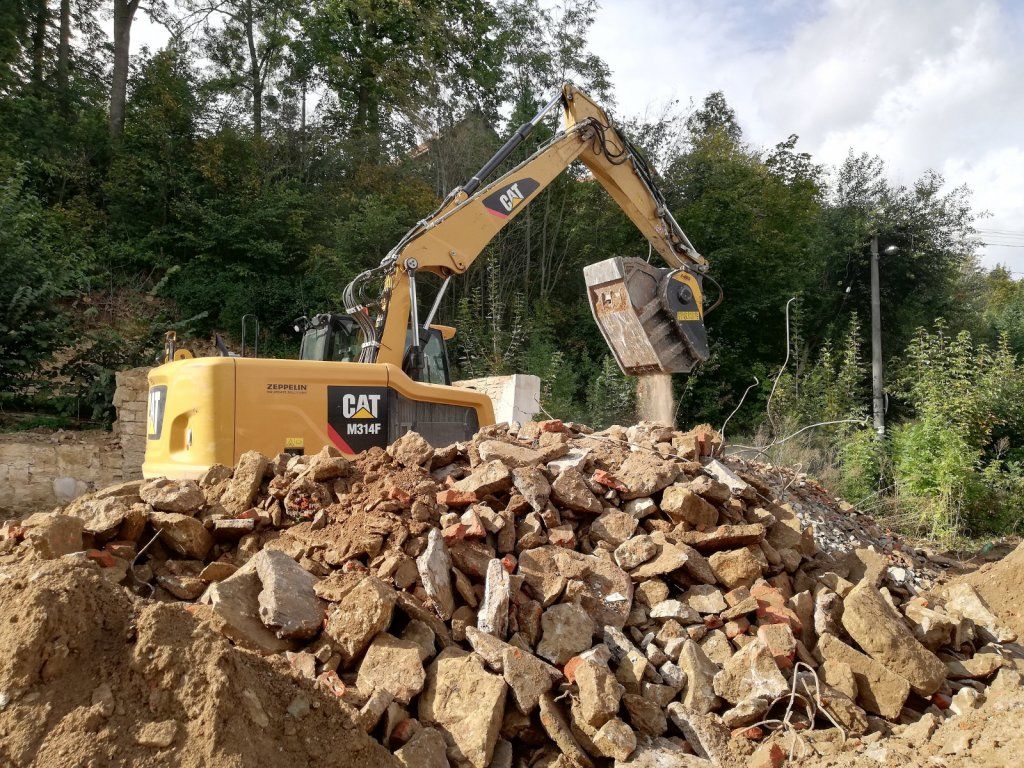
x,y
35,273
950,463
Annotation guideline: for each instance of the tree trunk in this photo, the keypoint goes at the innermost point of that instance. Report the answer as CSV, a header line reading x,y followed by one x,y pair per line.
x,y
64,55
255,78
39,44
124,15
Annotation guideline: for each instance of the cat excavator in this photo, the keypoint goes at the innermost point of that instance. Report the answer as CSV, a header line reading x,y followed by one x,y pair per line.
x,y
366,377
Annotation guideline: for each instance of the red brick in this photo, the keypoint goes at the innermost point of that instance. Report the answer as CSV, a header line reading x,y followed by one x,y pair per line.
x,y
736,627
608,481
769,755
399,494
570,668
331,683
453,498
103,559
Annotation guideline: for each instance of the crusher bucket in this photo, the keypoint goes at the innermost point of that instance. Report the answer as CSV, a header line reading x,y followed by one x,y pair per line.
x,y
652,318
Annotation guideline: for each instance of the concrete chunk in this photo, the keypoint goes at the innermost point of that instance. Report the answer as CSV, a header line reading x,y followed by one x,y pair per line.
x,y
528,677
394,665
567,630
879,690
235,602
509,454
600,692
56,536
435,569
493,616
570,490
357,618
242,488
182,533
288,604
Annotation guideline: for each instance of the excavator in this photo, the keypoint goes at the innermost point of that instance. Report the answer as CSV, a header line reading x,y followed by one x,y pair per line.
x,y
366,377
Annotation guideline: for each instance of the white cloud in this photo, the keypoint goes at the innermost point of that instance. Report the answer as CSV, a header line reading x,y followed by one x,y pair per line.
x,y
923,83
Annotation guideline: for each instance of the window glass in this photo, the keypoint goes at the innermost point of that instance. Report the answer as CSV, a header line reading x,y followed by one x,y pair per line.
x,y
345,346
435,369
313,342
433,359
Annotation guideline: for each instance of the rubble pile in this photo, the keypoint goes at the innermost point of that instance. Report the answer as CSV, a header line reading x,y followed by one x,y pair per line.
x,y
547,596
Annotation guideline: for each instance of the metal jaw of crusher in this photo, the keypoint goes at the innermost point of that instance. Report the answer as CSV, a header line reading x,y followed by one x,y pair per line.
x,y
652,318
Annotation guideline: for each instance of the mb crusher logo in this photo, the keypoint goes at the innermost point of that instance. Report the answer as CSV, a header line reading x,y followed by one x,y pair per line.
x,y
502,202
357,417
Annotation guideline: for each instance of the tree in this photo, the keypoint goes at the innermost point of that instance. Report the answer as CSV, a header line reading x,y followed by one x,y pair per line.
x,y
384,61
246,40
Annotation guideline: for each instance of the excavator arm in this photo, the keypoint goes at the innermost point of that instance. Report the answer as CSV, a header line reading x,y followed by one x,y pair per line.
x,y
447,242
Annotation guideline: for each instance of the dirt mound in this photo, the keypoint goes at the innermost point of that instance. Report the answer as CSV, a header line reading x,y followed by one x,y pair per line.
x,y
91,676
542,595
1001,586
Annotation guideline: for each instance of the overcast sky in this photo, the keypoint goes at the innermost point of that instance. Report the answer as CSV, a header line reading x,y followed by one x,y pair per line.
x,y
923,83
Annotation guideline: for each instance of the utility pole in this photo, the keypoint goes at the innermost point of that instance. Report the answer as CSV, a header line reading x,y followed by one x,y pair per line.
x,y
877,384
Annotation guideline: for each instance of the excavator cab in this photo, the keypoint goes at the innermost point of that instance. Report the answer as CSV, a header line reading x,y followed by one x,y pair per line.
x,y
336,338
329,337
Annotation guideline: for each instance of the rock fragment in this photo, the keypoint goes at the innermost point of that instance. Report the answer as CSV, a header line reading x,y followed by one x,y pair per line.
x,y
288,604
466,703
881,633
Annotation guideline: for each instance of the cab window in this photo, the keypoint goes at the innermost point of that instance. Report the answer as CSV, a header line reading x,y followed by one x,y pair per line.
x,y
435,357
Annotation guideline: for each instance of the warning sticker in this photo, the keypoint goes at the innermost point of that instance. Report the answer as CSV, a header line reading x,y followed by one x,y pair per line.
x,y
357,417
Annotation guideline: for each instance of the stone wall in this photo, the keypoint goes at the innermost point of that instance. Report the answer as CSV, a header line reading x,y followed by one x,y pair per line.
x,y
42,470
131,401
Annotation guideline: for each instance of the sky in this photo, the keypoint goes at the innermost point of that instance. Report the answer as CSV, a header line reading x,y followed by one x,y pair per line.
x,y
925,84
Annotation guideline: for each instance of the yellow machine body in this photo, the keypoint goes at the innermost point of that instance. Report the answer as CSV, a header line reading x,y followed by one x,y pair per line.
x,y
210,410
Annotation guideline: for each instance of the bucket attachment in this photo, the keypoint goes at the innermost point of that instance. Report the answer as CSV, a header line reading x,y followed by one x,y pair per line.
x,y
652,318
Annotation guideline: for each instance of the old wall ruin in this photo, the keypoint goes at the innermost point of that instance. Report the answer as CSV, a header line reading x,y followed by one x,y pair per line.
x,y
41,470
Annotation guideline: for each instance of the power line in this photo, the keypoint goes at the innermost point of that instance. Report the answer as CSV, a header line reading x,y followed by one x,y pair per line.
x,y
1015,232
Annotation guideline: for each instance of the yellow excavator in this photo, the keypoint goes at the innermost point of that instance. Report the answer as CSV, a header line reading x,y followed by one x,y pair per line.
x,y
366,377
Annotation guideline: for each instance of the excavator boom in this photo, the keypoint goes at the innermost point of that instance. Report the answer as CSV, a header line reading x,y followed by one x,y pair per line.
x,y
653,320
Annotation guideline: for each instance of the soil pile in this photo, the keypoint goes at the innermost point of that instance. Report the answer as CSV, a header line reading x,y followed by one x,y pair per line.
x,y
541,595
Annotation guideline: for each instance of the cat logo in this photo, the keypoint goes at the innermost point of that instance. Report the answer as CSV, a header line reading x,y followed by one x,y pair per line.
x,y
360,406
357,417
503,201
155,411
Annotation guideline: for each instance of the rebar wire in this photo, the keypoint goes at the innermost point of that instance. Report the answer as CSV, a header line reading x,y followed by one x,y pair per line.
x,y
765,449
137,583
796,476
813,706
775,384
738,406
